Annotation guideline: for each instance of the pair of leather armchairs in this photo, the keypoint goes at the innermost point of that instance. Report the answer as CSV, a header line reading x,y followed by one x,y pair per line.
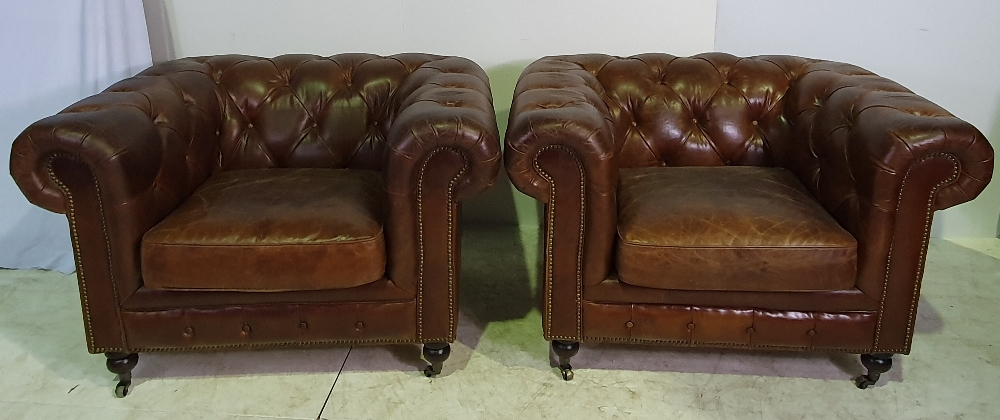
x,y
240,202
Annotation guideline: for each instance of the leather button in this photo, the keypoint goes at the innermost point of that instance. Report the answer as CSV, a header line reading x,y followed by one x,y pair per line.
x,y
754,122
250,125
629,324
633,123
188,331
690,326
750,330
315,125
246,329
811,332
359,326
694,120
303,325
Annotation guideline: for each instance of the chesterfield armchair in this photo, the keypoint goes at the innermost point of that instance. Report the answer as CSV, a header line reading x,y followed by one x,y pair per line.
x,y
236,202
766,203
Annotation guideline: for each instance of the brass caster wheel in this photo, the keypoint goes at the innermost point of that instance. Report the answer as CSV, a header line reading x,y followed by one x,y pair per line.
x,y
863,382
430,372
121,390
567,373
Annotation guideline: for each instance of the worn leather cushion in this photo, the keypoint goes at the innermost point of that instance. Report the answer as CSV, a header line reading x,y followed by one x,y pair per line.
x,y
268,230
736,228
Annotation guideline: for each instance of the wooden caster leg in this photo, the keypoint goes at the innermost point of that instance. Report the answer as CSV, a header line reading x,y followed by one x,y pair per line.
x,y
436,354
565,350
877,364
121,364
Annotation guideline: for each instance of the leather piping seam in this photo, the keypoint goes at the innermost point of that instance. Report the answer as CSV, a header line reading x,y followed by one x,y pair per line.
x,y
727,248
548,243
690,343
420,242
321,242
274,345
267,305
921,259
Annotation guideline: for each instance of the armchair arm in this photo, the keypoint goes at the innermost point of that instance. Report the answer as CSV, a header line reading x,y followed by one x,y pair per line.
x,y
445,104
560,149
557,104
135,137
442,146
867,131
883,159
116,163
113,141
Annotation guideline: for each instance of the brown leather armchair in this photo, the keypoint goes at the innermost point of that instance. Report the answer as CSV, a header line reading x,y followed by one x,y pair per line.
x,y
243,202
717,201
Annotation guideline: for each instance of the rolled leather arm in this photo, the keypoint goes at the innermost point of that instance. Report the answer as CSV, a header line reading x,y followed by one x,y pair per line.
x,y
557,104
881,159
115,135
444,104
867,132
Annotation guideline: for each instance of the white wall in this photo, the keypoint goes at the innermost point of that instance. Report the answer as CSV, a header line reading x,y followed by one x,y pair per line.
x,y
502,36
56,52
489,32
946,51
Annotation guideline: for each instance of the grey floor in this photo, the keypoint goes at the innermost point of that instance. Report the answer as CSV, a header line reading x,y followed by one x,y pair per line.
x,y
501,368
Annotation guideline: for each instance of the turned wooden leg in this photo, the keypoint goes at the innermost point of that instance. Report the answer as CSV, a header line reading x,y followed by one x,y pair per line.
x,y
877,364
121,364
565,350
435,354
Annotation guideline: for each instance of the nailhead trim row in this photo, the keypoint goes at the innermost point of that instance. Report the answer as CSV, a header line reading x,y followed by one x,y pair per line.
x,y
548,244
921,259
420,245
71,215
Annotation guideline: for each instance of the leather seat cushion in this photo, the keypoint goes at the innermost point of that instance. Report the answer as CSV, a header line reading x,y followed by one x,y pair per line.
x,y
267,230
734,228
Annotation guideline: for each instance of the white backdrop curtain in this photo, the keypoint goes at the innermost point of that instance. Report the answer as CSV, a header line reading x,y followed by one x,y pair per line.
x,y
55,53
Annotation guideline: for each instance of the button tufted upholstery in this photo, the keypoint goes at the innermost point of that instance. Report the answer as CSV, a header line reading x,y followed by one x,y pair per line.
x,y
875,157
417,131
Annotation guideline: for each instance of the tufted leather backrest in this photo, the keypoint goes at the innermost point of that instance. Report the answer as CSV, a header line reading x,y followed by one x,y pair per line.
x,y
298,110
709,109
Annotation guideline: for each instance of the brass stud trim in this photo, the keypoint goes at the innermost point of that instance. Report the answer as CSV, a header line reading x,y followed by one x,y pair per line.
x,y
420,243
548,244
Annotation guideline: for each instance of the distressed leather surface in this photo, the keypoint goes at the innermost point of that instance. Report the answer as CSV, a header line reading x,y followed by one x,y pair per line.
x,y
877,157
119,162
270,230
736,228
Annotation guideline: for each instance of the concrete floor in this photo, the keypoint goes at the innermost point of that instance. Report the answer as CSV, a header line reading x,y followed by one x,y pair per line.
x,y
501,368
